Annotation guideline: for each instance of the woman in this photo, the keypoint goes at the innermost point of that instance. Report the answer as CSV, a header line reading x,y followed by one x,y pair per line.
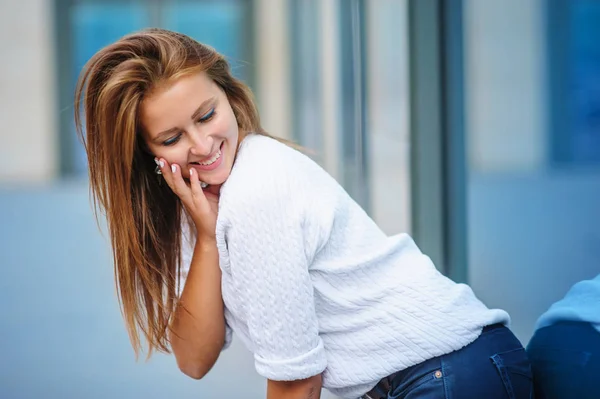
x,y
278,251
565,348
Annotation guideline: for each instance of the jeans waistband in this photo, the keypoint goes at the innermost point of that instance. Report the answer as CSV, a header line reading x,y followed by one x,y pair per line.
x,y
492,327
382,388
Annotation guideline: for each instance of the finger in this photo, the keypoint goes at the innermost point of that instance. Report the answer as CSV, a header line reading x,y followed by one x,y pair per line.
x,y
196,187
169,176
165,168
179,186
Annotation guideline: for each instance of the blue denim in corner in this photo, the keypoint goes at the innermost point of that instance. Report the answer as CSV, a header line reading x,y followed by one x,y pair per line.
x,y
565,358
494,366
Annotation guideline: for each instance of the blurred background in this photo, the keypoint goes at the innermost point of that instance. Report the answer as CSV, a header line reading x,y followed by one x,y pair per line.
x,y
474,125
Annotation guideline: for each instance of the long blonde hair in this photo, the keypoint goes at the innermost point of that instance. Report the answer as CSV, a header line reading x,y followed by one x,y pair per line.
x,y
144,216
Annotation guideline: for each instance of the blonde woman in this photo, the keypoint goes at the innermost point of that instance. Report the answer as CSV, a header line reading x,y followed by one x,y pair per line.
x,y
217,227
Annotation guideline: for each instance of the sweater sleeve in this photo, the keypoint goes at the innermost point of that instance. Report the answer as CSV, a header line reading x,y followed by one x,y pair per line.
x,y
579,304
269,266
187,252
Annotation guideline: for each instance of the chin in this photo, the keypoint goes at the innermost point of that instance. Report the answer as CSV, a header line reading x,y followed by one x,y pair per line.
x,y
216,180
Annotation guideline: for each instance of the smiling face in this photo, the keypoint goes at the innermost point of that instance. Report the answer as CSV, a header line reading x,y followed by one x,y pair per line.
x,y
191,123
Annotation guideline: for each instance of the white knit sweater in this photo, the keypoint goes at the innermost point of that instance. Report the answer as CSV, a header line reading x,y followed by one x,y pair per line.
x,y
311,284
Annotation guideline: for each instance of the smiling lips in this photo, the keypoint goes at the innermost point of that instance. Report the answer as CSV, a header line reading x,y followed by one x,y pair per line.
x,y
210,164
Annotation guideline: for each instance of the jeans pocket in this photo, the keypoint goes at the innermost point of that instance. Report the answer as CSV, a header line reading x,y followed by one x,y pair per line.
x,y
428,385
515,371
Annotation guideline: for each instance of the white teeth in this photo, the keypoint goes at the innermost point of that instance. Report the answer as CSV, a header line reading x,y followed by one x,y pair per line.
x,y
212,160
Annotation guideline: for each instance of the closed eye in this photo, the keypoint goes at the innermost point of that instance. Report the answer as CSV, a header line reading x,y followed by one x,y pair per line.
x,y
205,118
172,140
208,116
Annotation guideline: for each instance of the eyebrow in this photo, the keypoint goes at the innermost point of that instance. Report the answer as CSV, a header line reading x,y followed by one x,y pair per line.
x,y
160,136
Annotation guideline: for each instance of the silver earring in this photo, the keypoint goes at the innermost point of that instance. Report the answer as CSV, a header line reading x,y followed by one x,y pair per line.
x,y
157,169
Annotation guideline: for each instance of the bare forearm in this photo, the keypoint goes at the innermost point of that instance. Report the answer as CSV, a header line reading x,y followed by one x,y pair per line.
x,y
301,389
198,327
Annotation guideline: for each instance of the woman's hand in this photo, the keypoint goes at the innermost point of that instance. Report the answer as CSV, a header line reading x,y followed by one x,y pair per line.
x,y
203,210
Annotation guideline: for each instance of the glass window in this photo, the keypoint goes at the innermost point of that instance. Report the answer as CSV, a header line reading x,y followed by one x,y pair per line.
x,y
574,82
221,24
93,26
307,74
350,99
533,226
387,116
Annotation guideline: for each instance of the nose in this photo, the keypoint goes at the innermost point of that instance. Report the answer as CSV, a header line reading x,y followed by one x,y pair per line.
x,y
201,143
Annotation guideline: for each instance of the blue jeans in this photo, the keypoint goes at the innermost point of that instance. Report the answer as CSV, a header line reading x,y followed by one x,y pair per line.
x,y
494,366
565,358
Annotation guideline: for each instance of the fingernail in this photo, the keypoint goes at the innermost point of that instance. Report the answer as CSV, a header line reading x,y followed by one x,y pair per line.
x,y
173,168
161,163
156,161
191,172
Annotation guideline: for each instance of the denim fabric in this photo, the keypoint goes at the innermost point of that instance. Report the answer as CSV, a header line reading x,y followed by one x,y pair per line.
x,y
495,366
565,358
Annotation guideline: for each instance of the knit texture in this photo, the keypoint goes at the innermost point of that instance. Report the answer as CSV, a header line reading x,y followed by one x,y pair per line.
x,y
311,284
581,303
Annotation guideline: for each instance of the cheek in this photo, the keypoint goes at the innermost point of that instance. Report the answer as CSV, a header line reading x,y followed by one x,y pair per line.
x,y
173,154
222,126
158,151
229,122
